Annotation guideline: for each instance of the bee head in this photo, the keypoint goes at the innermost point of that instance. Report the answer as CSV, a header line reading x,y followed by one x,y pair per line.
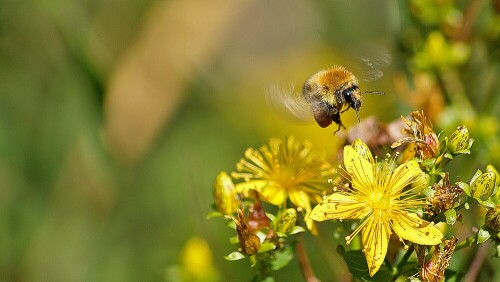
x,y
352,96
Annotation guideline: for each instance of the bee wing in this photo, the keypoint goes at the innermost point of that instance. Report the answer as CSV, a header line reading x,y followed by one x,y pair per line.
x,y
289,102
370,63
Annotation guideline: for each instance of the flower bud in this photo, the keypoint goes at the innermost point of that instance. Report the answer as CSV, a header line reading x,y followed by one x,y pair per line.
x,y
483,186
226,200
459,141
286,221
492,219
362,149
497,175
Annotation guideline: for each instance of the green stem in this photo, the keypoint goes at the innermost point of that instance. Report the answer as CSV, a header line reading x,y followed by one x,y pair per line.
x,y
403,261
469,241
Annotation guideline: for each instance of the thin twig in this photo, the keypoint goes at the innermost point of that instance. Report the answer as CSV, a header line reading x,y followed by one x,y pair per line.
x,y
305,265
469,16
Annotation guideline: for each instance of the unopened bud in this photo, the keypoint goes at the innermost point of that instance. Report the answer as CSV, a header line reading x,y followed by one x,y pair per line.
x,y
226,200
459,141
362,149
286,221
483,186
492,219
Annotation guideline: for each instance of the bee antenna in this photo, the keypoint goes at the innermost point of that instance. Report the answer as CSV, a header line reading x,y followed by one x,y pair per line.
x,y
374,92
357,115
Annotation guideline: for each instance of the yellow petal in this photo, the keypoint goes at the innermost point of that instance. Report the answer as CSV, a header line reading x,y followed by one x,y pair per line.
x,y
359,168
362,149
375,240
245,187
339,206
270,191
412,228
300,199
402,176
274,194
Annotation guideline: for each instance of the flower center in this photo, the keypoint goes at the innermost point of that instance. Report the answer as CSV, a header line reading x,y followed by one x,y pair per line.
x,y
380,201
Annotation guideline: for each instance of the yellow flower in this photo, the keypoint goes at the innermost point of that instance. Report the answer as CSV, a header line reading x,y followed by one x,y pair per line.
x,y
378,198
285,169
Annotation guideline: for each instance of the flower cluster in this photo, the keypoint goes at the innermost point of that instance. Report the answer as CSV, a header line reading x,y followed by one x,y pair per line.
x,y
287,174
406,196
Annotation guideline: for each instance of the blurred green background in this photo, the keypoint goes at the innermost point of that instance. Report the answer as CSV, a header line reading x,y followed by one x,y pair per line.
x,y
115,117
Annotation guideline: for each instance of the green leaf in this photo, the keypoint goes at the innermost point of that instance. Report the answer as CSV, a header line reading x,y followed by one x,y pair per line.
x,y
253,260
358,267
234,240
483,235
235,256
464,186
231,224
214,214
451,216
259,278
282,258
297,229
453,276
266,247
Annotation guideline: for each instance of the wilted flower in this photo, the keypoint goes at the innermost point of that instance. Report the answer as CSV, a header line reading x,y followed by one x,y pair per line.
x,y
249,242
257,218
433,270
377,197
285,169
422,137
226,199
459,141
445,194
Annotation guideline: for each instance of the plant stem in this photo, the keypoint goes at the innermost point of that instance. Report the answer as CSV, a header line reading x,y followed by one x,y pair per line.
x,y
403,261
305,265
476,264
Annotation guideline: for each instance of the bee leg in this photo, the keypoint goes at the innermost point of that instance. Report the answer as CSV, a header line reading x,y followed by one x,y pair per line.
x,y
337,120
345,109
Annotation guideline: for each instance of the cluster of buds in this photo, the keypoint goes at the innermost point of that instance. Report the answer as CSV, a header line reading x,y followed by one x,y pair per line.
x,y
258,232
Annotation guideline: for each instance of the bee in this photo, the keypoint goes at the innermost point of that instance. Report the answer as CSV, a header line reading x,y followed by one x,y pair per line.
x,y
326,94
331,92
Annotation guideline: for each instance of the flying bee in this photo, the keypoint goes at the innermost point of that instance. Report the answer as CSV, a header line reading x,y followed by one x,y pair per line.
x,y
326,94
331,92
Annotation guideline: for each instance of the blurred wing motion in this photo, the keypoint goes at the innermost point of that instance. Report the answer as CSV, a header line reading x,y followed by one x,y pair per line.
x,y
371,65
289,102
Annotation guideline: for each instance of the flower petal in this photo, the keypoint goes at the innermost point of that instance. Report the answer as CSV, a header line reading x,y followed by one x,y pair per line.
x,y
375,240
402,176
412,228
339,206
300,199
245,187
360,170
274,194
270,191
